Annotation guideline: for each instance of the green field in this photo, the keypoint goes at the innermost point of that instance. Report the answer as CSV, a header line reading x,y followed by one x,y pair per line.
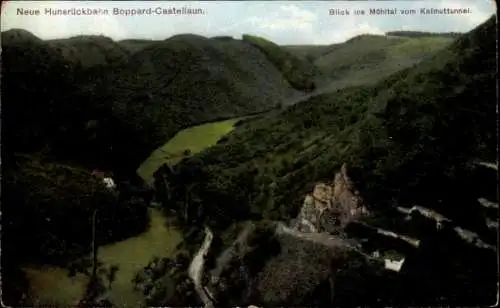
x,y
51,285
195,139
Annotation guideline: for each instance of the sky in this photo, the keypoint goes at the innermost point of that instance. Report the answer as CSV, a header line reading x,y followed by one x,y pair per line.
x,y
283,22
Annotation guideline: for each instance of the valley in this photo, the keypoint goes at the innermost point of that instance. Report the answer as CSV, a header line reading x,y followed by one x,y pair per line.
x,y
185,143
130,255
222,172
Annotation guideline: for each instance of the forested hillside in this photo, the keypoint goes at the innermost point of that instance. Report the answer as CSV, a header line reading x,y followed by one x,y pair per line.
x,y
301,73
367,59
89,51
409,114
188,79
412,138
104,106
70,106
134,45
395,132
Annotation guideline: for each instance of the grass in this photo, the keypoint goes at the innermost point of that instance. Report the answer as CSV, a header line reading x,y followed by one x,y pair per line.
x,y
195,139
415,47
367,59
51,285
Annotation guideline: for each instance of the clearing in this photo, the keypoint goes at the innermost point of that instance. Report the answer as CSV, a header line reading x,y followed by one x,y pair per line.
x,y
52,286
185,143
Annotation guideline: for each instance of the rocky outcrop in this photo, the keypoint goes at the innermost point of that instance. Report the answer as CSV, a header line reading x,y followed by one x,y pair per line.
x,y
331,206
294,260
330,240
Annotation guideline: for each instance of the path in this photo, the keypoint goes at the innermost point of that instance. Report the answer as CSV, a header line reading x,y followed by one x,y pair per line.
x,y
196,268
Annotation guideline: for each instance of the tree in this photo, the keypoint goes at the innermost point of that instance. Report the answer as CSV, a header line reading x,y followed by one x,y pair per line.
x,y
112,274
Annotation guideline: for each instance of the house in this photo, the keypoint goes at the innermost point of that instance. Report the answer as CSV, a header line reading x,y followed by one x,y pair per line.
x,y
108,181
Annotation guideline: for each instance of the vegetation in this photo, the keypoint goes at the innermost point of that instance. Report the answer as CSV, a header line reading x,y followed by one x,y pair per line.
x,y
394,132
50,206
129,255
300,73
421,126
391,133
89,51
71,106
104,125
185,143
134,45
423,34
367,59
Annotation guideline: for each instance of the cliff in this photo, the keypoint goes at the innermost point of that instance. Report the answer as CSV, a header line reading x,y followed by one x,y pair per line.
x,y
332,243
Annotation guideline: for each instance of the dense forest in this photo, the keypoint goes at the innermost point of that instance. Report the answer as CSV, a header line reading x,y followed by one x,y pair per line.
x,y
104,119
408,113
73,105
394,132
423,126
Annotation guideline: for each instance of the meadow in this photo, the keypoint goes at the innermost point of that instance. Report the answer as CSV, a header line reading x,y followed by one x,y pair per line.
x,y
185,143
52,285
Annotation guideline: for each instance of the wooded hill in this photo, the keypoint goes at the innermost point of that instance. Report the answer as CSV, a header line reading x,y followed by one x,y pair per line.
x,y
412,138
421,126
367,59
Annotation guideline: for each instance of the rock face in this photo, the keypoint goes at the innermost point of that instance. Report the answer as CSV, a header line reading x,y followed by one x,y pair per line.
x,y
331,206
331,255
282,265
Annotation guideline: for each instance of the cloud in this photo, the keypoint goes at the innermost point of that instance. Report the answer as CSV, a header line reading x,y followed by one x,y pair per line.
x,y
345,32
288,17
479,12
282,22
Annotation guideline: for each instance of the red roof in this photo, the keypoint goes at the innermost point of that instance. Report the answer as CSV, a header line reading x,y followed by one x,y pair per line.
x,y
98,174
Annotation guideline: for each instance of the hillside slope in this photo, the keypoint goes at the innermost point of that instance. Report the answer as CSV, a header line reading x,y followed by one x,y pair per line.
x,y
301,73
134,45
36,82
406,121
366,59
412,139
123,104
187,80
89,51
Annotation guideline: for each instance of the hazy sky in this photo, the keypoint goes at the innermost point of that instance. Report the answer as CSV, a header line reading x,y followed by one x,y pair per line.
x,y
284,22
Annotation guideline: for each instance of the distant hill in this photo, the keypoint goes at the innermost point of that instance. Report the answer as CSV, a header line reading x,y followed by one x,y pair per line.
x,y
190,79
134,45
36,83
91,99
366,59
91,50
423,34
299,72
